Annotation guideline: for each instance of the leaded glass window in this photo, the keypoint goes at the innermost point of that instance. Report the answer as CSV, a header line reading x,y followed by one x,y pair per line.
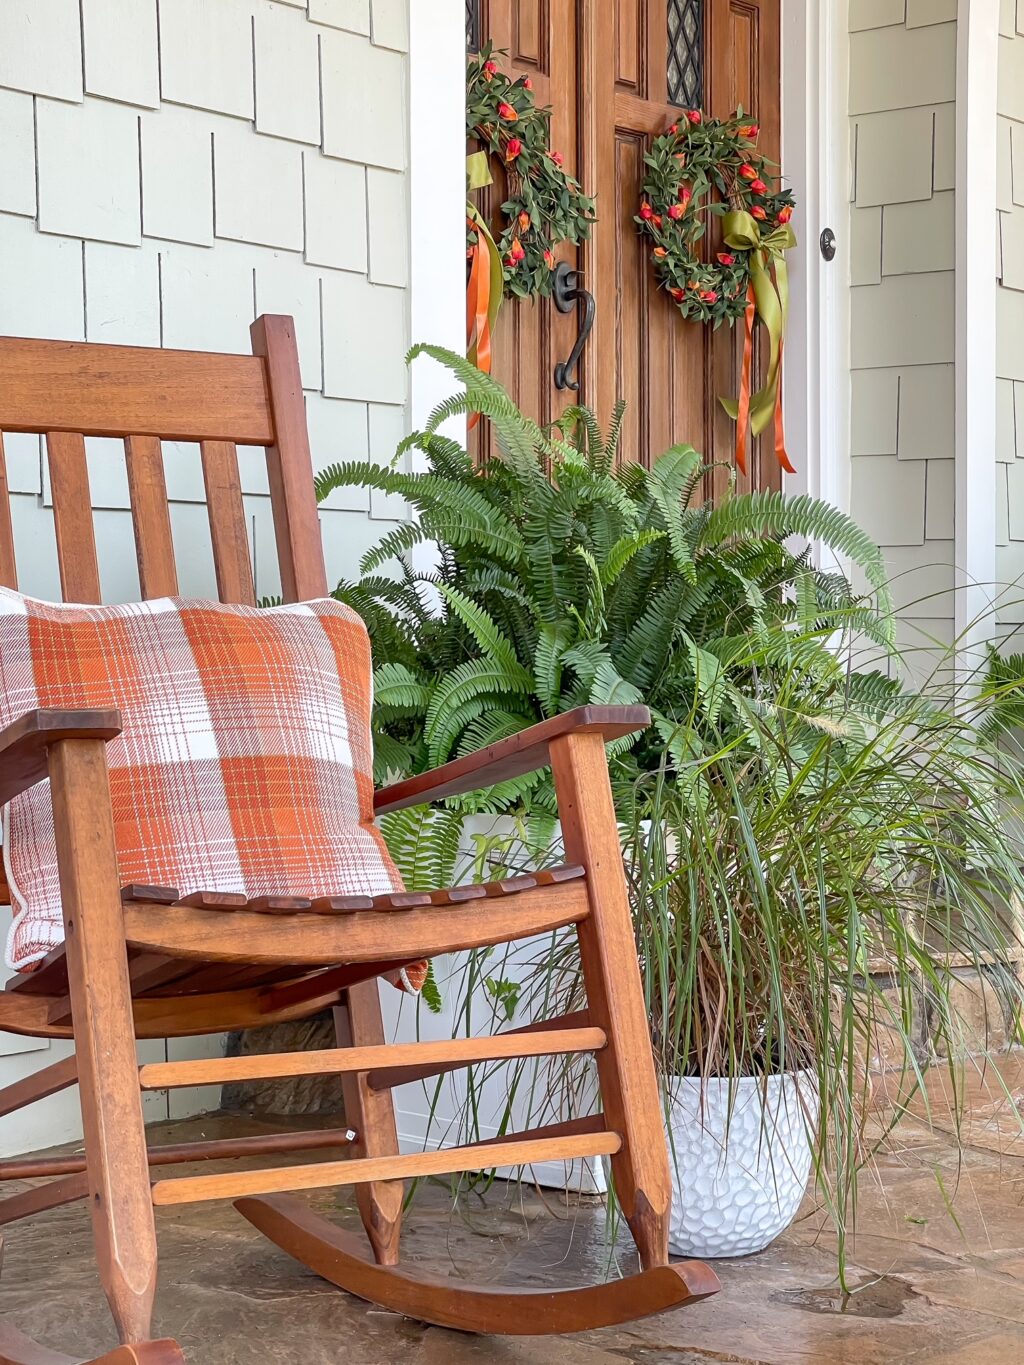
x,y
472,25
686,53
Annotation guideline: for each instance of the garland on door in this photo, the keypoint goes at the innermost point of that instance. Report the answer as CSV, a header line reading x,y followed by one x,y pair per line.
x,y
705,168
545,206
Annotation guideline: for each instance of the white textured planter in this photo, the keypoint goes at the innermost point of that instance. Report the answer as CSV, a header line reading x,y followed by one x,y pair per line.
x,y
739,1177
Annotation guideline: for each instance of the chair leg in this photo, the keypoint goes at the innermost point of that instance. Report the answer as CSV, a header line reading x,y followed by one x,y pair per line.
x,y
629,1085
371,1113
115,1142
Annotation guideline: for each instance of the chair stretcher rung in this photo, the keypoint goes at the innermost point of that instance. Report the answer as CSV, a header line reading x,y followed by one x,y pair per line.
x,y
223,1070
236,1185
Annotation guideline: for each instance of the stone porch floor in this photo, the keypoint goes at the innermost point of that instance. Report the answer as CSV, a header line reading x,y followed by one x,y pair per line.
x,y
934,1289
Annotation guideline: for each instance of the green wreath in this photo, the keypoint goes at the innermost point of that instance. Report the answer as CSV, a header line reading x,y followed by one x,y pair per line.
x,y
545,206
700,169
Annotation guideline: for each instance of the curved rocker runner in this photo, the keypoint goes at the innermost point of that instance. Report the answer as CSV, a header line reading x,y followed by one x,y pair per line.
x,y
337,1255
145,961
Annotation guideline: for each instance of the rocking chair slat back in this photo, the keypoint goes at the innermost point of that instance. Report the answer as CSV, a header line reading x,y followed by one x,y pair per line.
x,y
71,391
227,522
151,517
119,390
8,565
72,517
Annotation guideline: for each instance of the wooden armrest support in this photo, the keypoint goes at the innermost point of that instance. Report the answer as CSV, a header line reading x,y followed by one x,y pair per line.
x,y
24,743
522,753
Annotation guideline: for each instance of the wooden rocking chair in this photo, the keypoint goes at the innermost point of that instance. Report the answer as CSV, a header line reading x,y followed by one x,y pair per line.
x,y
141,963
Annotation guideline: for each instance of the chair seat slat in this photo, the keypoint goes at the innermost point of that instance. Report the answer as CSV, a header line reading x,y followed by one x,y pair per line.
x,y
72,515
151,517
231,557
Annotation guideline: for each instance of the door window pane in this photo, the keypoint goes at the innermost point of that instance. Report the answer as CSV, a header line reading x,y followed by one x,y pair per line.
x,y
686,53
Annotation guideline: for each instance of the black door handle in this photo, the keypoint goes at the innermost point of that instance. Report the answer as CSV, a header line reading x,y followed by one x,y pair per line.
x,y
567,293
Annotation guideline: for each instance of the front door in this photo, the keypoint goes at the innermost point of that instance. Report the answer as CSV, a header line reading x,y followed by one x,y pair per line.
x,y
615,73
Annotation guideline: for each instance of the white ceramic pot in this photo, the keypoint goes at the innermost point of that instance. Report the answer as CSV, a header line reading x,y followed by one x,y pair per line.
x,y
738,1176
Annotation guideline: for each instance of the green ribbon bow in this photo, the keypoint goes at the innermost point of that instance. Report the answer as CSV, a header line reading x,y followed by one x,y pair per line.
x,y
743,233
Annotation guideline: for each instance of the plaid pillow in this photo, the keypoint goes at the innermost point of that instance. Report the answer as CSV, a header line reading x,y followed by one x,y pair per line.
x,y
245,763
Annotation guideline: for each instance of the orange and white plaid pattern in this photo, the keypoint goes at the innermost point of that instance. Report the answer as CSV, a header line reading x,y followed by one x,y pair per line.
x,y
245,763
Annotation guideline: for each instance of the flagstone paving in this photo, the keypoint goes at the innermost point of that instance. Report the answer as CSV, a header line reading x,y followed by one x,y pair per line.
x,y
931,1286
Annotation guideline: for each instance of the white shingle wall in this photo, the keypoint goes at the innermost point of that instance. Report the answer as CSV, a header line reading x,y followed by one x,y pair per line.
x,y
168,169
171,168
1010,321
902,110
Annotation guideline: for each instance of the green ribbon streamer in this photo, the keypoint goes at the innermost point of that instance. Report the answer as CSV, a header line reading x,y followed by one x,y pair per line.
x,y
742,233
478,171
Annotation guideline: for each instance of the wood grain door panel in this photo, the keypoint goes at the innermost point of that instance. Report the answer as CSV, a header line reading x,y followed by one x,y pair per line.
x,y
602,65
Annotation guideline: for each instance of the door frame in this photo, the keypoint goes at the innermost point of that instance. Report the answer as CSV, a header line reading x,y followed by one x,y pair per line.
x,y
815,158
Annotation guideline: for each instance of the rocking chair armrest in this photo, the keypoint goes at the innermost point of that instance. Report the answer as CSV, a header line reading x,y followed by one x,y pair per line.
x,y
512,757
24,743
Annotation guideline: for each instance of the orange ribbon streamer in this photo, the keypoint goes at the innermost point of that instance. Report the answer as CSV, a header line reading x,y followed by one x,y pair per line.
x,y
781,453
478,311
743,417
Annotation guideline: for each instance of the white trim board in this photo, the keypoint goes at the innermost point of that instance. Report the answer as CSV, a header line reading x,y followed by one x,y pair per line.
x,y
976,265
815,159
437,176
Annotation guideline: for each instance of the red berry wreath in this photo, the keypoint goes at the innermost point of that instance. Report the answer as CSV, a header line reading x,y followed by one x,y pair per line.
x,y
703,168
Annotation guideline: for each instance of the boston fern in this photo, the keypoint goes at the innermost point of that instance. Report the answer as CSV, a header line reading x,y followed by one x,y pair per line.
x,y
564,578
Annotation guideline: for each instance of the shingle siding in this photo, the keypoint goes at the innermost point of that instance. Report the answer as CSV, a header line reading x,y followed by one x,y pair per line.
x,y
197,162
